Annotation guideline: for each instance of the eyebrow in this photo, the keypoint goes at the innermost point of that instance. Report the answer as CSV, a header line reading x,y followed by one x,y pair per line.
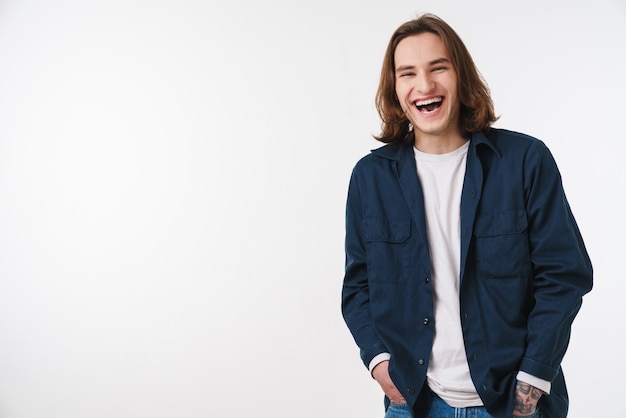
x,y
433,62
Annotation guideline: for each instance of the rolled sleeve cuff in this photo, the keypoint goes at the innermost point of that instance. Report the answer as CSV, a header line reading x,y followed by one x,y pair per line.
x,y
377,360
540,384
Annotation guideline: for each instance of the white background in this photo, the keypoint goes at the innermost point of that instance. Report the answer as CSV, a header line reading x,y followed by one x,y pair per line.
x,y
172,187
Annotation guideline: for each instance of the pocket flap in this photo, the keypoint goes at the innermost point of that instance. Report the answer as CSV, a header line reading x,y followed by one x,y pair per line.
x,y
503,222
387,230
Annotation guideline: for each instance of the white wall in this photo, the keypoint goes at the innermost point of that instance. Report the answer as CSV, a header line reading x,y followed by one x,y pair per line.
x,y
172,187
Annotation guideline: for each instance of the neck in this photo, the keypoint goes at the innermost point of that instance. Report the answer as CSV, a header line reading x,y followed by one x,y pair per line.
x,y
435,144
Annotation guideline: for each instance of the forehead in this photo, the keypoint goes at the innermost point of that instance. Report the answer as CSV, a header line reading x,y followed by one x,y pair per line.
x,y
424,47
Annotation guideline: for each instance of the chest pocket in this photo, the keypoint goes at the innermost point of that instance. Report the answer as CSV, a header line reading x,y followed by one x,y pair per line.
x,y
387,249
501,245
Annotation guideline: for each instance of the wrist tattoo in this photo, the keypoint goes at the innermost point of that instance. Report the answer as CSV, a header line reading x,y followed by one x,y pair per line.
x,y
526,398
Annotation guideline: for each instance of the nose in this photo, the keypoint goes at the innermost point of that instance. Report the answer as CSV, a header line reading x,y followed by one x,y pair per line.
x,y
424,84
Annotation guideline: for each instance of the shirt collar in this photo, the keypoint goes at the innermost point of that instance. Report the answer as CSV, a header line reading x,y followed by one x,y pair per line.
x,y
396,152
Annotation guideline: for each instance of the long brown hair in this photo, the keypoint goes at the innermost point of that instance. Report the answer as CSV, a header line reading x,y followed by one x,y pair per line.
x,y
477,113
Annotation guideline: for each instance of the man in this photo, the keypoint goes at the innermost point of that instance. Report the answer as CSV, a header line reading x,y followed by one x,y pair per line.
x,y
464,265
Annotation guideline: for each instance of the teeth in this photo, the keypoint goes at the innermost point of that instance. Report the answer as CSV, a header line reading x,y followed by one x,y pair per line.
x,y
428,101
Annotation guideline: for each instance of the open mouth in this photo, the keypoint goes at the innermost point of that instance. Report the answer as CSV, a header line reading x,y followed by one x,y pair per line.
x,y
429,105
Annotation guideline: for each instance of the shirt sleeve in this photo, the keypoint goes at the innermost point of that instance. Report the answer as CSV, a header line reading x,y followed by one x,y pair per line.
x,y
355,303
561,266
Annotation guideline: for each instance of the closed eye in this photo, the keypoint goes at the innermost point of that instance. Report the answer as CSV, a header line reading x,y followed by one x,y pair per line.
x,y
440,64
405,71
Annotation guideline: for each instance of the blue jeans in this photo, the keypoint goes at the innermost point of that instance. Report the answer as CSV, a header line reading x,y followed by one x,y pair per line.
x,y
440,409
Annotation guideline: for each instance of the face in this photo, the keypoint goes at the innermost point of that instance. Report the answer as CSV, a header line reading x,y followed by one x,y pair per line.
x,y
426,86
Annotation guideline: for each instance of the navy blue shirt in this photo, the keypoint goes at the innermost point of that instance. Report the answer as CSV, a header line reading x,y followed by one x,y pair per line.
x,y
524,268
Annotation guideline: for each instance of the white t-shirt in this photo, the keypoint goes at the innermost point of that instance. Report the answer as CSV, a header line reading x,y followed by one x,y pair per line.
x,y
441,177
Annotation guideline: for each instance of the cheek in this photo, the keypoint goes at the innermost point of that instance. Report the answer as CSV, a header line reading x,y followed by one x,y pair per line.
x,y
401,96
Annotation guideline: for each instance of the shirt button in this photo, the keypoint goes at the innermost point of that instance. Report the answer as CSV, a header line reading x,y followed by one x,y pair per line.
x,y
411,390
427,280
426,321
421,362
